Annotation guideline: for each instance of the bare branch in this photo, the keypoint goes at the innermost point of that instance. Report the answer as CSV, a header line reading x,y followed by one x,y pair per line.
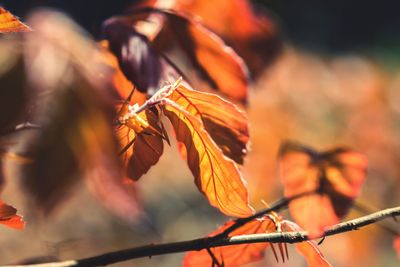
x,y
204,243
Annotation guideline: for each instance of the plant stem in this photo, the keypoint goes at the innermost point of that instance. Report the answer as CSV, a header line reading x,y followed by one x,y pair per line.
x,y
204,243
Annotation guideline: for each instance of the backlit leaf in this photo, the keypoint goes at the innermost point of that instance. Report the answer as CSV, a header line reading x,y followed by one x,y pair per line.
x,y
9,217
336,175
253,34
215,175
9,23
235,255
226,124
141,142
213,61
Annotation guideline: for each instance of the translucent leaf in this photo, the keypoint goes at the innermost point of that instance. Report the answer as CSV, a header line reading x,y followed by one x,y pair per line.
x,y
226,124
215,175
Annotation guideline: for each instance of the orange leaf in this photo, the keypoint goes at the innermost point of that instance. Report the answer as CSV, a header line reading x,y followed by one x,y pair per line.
x,y
9,23
9,217
226,124
235,255
337,175
141,140
255,36
216,176
308,249
213,61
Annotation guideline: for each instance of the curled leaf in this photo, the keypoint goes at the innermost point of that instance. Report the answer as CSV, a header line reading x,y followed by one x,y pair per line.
x,y
226,124
216,176
9,23
141,141
214,63
253,34
139,61
335,175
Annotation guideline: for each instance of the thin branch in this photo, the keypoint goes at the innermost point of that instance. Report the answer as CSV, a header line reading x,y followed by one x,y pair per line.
x,y
385,225
204,243
277,206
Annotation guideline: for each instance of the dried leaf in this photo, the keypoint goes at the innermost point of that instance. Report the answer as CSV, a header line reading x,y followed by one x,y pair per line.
x,y
308,249
226,124
9,23
336,175
9,217
139,61
235,255
215,175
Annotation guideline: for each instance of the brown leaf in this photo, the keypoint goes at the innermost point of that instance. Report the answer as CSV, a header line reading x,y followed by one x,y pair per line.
x,y
216,176
9,217
9,23
141,140
76,137
226,124
335,175
139,61
235,255
212,60
253,34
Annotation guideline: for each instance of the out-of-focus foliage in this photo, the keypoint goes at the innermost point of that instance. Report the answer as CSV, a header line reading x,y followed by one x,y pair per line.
x,y
336,175
321,101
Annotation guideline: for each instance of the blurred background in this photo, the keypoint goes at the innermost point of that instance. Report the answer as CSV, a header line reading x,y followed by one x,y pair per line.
x,y
329,75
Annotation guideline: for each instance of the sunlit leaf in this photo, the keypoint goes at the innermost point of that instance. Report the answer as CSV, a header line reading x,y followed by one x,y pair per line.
x,y
141,141
9,23
308,249
215,63
9,217
226,124
215,175
253,34
335,175
235,255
